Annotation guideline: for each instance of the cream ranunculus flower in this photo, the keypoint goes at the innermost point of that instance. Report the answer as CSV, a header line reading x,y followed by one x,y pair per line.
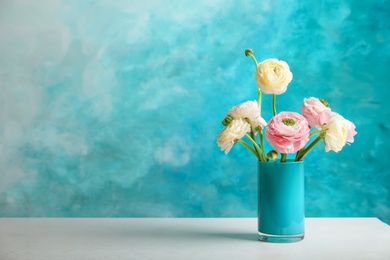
x,y
248,110
336,134
351,131
273,76
234,131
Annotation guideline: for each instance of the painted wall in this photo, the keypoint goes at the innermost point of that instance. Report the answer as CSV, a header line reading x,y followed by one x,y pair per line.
x,y
112,108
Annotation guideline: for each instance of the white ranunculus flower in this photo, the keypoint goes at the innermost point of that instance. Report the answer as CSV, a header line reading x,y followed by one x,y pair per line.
x,y
259,121
234,131
248,110
351,131
273,76
337,133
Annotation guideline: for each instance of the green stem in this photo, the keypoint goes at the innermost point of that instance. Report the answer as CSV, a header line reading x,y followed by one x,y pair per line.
x,y
248,147
315,132
303,154
259,97
254,139
257,148
254,60
253,135
320,131
261,153
298,153
283,157
259,93
262,143
274,104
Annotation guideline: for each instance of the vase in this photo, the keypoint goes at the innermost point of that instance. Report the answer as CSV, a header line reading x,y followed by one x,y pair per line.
x,y
281,206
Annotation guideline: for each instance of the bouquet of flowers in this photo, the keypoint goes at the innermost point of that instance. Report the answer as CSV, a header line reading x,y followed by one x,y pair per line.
x,y
287,132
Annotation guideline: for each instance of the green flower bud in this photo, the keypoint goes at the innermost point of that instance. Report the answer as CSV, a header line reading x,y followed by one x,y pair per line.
x,y
227,120
248,52
324,102
272,155
258,128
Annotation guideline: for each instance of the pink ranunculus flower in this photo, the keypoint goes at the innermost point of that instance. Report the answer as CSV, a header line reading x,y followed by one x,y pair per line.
x,y
288,132
315,112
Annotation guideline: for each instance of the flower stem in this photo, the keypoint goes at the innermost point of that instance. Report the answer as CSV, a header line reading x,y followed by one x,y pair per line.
x,y
259,97
298,153
248,147
262,143
254,60
283,157
315,132
303,154
274,104
254,139
261,156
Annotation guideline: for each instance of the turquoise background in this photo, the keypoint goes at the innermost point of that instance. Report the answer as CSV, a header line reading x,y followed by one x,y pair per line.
x,y
112,108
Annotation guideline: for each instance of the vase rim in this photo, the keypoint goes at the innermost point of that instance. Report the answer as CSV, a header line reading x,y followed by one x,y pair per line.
x,y
288,161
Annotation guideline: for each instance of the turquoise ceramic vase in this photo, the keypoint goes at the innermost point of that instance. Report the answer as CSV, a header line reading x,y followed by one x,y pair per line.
x,y
281,205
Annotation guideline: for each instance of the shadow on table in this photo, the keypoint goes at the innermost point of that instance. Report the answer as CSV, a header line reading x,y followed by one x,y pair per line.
x,y
194,234
159,231
237,236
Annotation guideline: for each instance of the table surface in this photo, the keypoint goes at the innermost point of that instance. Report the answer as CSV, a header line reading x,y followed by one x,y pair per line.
x,y
186,238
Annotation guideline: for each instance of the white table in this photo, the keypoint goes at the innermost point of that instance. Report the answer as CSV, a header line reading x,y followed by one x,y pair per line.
x,y
186,238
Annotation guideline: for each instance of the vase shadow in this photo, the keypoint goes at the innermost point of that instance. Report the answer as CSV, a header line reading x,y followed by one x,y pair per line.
x,y
236,236
173,232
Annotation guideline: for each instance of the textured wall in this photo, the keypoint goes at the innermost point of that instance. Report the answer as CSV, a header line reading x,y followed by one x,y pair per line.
x,y
112,108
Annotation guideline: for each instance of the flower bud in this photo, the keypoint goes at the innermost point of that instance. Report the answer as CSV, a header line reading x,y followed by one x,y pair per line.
x,y
272,155
227,120
248,52
258,128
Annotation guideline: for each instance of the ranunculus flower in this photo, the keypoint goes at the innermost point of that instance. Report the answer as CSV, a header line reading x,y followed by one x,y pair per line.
x,y
288,132
315,112
339,132
234,131
248,110
336,134
273,76
351,131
